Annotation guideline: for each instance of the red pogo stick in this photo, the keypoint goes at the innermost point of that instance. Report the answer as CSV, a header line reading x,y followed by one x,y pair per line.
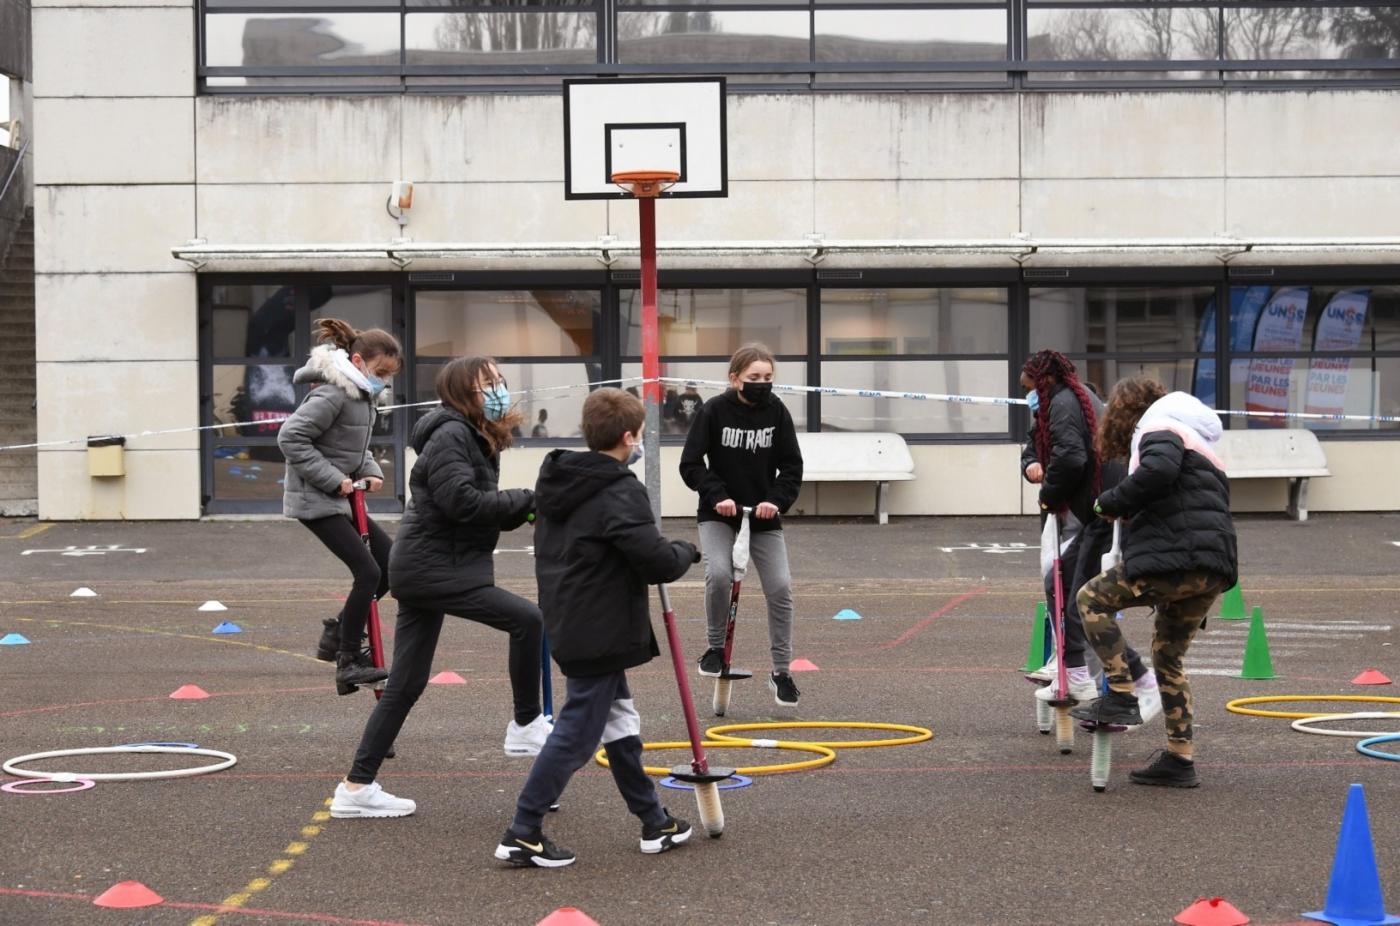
x,y
727,675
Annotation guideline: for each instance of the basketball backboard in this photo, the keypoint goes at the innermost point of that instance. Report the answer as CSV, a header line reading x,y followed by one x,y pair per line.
x,y
617,125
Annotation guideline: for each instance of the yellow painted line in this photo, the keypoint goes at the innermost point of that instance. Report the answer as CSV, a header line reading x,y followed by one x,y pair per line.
x,y
28,532
222,641
278,866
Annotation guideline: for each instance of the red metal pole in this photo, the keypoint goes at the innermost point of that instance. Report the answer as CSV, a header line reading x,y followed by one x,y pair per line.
x,y
699,764
651,362
376,641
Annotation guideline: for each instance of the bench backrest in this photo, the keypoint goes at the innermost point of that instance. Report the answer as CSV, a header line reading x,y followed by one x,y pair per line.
x,y
1281,452
864,455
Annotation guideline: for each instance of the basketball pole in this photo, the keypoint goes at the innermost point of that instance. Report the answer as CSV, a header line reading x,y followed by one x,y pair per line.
x,y
651,361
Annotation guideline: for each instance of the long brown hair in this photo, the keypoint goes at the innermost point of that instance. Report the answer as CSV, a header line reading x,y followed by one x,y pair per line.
x,y
457,387
1127,402
1045,368
369,344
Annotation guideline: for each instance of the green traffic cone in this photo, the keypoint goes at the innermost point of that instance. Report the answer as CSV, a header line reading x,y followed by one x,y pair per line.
x,y
1257,662
1035,655
1232,604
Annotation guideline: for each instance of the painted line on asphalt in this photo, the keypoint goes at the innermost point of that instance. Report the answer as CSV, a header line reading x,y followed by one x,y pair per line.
x,y
1299,634
294,850
116,701
1324,625
1301,644
914,631
330,918
28,532
221,640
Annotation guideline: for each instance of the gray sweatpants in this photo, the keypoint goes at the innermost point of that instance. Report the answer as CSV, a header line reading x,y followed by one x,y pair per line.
x,y
767,557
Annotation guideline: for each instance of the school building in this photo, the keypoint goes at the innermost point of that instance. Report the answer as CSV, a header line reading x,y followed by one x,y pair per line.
x,y
920,193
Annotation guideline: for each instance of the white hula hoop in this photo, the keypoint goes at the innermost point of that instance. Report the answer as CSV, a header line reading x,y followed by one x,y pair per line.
x,y
1302,723
226,760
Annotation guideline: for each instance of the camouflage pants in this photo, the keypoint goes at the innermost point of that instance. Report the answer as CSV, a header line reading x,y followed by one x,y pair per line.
x,y
1179,601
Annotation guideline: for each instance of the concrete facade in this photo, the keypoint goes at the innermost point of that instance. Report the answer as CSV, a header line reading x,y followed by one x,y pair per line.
x,y
130,161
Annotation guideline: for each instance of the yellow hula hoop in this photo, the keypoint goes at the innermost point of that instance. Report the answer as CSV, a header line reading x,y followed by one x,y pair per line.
x,y
824,757
1237,706
918,734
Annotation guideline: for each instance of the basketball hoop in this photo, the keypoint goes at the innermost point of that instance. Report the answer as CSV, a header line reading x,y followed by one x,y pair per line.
x,y
646,184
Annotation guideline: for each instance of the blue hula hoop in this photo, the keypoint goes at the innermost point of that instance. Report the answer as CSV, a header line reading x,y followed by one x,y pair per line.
x,y
729,784
1365,747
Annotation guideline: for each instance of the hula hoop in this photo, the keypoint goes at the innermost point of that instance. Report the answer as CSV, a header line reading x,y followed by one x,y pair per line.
x,y
1303,724
738,781
1365,747
918,734
163,743
1237,706
227,759
16,787
825,756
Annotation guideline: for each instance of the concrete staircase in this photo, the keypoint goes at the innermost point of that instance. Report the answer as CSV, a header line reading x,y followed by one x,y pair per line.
x,y
19,480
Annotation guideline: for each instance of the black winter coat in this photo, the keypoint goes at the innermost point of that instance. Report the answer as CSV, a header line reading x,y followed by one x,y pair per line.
x,y
1177,506
455,514
596,551
1069,473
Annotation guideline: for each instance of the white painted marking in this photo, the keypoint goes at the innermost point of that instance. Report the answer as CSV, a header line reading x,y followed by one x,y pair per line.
x,y
90,550
530,550
1223,673
1324,625
1300,634
992,548
1239,644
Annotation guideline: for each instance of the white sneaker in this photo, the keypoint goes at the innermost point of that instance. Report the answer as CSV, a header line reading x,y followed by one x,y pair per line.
x,y
1081,688
369,801
1045,673
527,740
1149,703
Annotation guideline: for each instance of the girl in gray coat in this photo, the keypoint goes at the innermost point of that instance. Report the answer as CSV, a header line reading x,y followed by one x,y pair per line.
x,y
326,444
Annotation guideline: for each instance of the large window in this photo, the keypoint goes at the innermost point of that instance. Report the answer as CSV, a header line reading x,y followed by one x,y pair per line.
x,y
380,44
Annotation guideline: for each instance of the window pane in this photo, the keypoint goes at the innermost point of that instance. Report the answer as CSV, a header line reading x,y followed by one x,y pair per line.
x,y
501,38
1141,34
507,323
1109,319
717,322
290,39
911,35
248,472
362,306
254,321
1177,375
556,389
680,402
1312,32
1324,385
914,321
708,37
255,392
912,416
1320,318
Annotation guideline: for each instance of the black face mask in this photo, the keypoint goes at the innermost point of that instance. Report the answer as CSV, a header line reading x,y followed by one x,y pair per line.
x,y
757,393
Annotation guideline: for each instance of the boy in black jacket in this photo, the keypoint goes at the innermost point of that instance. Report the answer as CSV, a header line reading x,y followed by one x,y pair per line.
x,y
596,551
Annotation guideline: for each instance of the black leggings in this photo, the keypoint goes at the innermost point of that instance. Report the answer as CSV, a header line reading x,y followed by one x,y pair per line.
x,y
415,642
370,567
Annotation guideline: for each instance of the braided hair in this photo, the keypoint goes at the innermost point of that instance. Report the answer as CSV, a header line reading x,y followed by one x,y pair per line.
x,y
1045,368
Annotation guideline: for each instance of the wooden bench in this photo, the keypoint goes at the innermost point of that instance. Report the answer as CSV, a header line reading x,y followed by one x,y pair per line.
x,y
857,457
1293,454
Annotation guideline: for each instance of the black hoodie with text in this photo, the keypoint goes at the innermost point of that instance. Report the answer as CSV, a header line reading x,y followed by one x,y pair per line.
x,y
745,452
596,551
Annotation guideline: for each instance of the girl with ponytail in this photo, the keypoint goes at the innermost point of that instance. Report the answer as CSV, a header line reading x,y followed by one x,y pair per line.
x,y
326,445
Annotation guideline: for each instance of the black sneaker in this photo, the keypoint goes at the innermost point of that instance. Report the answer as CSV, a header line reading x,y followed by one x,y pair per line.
x,y
784,689
1114,707
665,836
712,663
534,849
355,669
329,645
1168,770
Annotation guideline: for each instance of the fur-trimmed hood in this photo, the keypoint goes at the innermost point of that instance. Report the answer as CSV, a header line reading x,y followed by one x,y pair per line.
x,y
322,368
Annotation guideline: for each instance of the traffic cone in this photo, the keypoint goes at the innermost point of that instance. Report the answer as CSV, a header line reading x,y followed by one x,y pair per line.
x,y
1354,895
212,606
227,627
1369,677
1257,662
1214,912
13,639
802,665
1035,654
83,592
846,614
568,916
127,894
1232,604
189,693
447,678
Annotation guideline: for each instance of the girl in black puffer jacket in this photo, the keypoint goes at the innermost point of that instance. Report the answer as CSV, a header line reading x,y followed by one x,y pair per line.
x,y
1179,554
441,563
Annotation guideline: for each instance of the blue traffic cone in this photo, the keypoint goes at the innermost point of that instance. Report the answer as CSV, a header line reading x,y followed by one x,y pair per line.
x,y
227,627
13,639
1354,896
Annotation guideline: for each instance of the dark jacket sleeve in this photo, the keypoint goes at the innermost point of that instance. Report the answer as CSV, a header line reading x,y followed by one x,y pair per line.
x,y
1068,456
298,434
1028,451
629,526
1159,464
789,481
694,471
450,481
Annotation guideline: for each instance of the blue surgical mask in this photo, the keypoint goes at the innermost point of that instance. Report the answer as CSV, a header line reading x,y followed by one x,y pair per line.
x,y
376,385
1033,400
496,403
637,450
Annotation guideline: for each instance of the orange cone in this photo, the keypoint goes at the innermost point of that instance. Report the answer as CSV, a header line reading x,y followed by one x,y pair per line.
x,y
127,894
568,916
1371,677
1214,912
447,678
189,693
803,665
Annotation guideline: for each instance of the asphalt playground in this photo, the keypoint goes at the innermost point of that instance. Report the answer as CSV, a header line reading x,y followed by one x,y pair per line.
x,y
984,824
